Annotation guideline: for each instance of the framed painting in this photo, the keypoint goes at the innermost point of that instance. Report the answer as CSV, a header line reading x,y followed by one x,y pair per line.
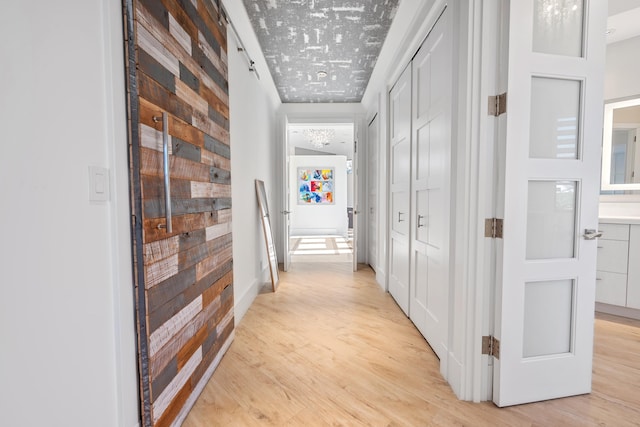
x,y
316,186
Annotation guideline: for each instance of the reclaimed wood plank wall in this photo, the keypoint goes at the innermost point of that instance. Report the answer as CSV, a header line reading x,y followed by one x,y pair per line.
x,y
177,63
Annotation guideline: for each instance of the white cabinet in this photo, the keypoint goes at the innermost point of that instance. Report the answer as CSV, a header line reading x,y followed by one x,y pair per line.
x,y
618,270
633,276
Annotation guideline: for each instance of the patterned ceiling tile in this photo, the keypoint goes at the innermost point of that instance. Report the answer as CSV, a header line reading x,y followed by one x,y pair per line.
x,y
301,39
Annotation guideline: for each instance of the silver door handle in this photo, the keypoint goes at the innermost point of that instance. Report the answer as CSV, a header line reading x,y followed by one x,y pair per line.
x,y
420,224
591,234
286,212
165,167
400,216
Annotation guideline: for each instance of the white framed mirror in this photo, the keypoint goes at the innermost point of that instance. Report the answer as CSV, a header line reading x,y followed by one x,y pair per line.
x,y
620,148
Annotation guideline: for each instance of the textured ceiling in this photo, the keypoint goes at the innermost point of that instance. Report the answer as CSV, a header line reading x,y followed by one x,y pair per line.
x,y
299,38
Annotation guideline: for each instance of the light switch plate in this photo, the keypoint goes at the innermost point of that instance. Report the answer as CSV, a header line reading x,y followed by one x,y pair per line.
x,y
98,184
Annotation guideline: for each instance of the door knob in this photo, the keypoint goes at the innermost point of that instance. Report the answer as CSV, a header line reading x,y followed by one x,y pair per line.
x,y
591,234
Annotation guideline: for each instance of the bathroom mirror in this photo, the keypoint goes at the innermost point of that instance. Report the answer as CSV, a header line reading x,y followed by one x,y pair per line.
x,y
620,151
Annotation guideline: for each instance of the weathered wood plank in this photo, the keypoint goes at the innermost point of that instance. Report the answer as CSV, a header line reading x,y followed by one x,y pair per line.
x,y
156,10
214,101
156,71
185,353
182,18
155,208
168,395
212,55
216,160
209,14
210,356
224,215
215,290
208,67
218,230
178,168
177,127
163,379
208,281
198,253
217,147
209,190
185,150
209,264
168,330
158,361
218,118
181,224
151,138
188,78
170,289
173,410
172,307
219,176
153,187
161,249
155,49
174,47
185,93
160,271
168,101
192,239
178,33
208,126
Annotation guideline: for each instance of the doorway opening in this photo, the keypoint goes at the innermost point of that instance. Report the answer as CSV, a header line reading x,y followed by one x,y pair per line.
x,y
321,190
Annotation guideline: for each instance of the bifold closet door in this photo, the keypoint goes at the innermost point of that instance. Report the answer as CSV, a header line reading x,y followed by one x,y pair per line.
x,y
400,177
430,186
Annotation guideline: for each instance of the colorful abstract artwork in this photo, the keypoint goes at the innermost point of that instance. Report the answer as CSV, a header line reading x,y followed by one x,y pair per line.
x,y
315,186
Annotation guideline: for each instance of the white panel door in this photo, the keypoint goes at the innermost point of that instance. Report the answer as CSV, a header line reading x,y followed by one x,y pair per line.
x,y
545,301
400,180
372,190
430,186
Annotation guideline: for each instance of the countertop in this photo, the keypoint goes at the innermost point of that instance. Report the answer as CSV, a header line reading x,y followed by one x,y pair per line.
x,y
620,220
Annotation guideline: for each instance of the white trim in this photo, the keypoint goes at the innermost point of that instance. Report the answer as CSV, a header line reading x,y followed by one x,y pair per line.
x,y
243,303
188,405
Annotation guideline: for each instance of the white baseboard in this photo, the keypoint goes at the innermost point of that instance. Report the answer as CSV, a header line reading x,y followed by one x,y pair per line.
x,y
454,371
381,278
243,302
202,383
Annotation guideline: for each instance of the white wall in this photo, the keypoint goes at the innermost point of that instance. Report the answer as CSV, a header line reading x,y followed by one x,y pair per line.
x,y
66,307
622,80
622,70
311,219
252,106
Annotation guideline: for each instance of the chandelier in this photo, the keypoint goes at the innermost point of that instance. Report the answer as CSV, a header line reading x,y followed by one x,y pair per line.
x,y
319,137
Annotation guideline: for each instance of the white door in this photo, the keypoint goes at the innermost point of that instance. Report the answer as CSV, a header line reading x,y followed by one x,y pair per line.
x,y
545,299
356,208
400,176
430,186
372,192
286,212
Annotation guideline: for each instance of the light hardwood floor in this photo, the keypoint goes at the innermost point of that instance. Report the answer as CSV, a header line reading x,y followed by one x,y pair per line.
x,y
330,348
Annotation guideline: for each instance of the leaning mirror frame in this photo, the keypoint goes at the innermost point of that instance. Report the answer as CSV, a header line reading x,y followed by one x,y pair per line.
x,y
607,187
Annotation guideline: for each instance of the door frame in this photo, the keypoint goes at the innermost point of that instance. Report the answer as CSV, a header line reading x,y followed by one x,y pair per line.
x,y
321,114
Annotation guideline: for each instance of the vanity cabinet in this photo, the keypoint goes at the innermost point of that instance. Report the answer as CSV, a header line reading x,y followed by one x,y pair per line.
x,y
618,268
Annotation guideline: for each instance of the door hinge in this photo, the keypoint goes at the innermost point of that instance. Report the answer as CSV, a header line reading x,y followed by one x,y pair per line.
x,y
491,346
498,104
493,228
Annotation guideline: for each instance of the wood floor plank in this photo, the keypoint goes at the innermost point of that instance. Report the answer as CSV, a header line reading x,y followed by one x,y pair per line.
x,y
330,348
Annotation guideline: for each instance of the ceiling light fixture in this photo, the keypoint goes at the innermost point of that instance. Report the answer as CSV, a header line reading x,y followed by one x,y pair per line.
x,y
319,137
322,74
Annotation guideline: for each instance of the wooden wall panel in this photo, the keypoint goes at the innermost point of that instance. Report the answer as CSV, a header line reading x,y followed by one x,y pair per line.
x,y
184,280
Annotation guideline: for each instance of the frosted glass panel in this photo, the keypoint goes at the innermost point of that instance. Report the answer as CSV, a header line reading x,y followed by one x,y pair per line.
x,y
548,308
555,118
558,27
551,214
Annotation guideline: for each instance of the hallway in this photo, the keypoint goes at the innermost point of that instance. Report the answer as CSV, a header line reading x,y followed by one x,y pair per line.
x,y
331,348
